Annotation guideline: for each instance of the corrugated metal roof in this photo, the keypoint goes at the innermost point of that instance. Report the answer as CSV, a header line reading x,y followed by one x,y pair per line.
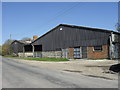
x,y
76,27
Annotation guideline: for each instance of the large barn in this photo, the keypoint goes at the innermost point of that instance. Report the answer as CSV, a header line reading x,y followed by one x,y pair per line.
x,y
70,41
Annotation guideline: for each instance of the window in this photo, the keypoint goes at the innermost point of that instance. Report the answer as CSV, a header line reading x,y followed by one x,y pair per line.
x,y
97,48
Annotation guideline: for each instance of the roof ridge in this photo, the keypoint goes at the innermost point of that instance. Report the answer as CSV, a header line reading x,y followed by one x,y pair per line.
x,y
76,26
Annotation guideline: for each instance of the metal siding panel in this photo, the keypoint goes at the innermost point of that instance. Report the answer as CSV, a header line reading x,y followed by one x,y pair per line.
x,y
71,37
18,47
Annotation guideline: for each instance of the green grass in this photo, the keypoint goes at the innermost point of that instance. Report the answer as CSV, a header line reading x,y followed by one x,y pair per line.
x,y
9,56
39,59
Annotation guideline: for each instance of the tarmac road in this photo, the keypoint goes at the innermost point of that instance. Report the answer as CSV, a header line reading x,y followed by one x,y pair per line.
x,y
20,75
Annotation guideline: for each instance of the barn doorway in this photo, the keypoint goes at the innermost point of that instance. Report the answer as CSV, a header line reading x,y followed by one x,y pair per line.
x,y
28,48
84,52
65,53
77,53
38,51
38,47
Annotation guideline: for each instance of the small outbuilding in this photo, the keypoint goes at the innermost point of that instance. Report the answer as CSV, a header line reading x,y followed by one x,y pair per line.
x,y
21,49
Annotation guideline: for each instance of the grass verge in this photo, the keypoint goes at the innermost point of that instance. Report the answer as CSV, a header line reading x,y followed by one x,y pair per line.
x,y
39,59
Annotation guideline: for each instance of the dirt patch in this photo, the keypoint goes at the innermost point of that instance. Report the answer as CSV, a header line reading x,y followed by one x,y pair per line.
x,y
73,71
98,66
99,77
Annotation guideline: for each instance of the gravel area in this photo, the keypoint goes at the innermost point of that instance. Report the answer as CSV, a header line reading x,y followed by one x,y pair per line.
x,y
91,68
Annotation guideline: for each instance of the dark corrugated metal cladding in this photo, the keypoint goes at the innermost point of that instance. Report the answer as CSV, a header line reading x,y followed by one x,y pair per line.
x,y
65,37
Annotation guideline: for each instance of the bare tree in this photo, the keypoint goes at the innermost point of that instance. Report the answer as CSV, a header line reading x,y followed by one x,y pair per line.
x,y
6,50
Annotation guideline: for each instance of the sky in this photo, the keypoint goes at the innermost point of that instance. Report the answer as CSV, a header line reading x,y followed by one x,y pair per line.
x,y
25,19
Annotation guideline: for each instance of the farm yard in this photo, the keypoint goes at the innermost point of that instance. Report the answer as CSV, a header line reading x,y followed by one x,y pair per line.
x,y
92,68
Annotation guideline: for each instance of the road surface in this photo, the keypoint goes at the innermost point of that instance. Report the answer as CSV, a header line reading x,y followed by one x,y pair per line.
x,y
20,75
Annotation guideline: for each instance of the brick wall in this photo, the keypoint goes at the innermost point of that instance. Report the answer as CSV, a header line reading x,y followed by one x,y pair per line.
x,y
98,54
71,53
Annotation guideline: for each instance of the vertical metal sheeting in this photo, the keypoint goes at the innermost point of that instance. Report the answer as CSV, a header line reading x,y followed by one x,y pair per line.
x,y
17,47
72,37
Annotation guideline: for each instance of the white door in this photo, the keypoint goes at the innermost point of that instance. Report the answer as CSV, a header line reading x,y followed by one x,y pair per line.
x,y
77,53
64,53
